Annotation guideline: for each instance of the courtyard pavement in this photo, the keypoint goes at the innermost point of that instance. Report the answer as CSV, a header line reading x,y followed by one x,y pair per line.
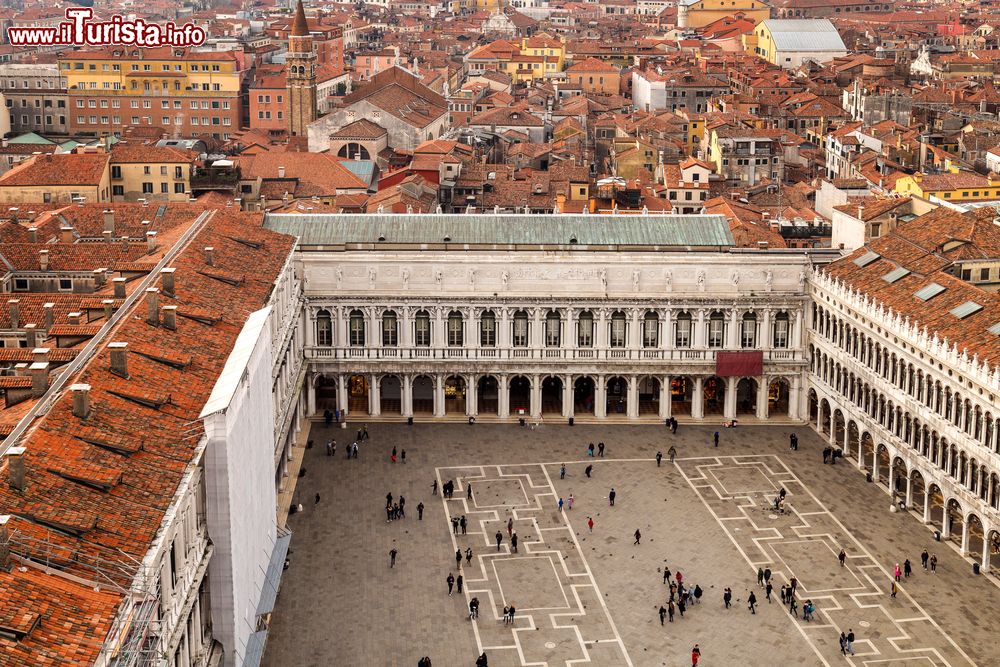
x,y
585,597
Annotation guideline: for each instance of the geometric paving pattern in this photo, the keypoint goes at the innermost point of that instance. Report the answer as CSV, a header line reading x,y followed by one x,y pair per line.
x,y
561,617
803,542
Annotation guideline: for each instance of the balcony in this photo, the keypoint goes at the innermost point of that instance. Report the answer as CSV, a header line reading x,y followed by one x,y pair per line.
x,y
534,354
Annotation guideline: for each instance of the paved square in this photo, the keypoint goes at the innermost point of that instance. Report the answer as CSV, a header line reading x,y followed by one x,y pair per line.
x,y
587,597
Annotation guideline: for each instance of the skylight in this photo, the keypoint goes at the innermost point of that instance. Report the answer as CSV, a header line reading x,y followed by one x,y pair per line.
x,y
928,292
895,275
995,329
966,309
867,258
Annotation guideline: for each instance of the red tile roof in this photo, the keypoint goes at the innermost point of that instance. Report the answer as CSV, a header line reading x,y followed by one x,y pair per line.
x,y
67,169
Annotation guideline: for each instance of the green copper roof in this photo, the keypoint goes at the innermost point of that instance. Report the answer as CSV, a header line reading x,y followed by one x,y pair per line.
x,y
667,231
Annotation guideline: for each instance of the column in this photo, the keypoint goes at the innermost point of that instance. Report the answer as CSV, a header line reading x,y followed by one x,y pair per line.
x,y
535,404
439,333
762,386
665,397
699,331
795,341
374,396
765,331
945,521
439,394
632,409
875,467
833,437
892,480
984,565
846,444
536,337
927,503
600,397
567,397
373,330
311,393
729,402
405,328
503,398
698,399
406,396
471,395
666,330
635,335
965,537
601,335
342,394
503,331
794,397
733,335
909,490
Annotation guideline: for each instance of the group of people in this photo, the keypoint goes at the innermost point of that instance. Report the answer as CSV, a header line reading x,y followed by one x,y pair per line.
x,y
395,510
685,596
600,449
448,489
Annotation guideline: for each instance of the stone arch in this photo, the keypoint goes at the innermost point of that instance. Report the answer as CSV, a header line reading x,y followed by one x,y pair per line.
x,y
976,536
993,555
422,392
813,406
649,395
883,461
853,440
584,392
867,452
519,390
839,428
955,518
899,477
552,395
824,417
714,395
746,397
390,394
357,394
918,490
455,389
681,396
779,393
935,506
488,395
616,389
326,392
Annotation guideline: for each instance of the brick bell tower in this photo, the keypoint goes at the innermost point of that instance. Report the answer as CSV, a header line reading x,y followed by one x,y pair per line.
x,y
300,75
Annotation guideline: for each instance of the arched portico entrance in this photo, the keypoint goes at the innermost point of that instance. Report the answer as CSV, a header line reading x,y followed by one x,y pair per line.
x,y
357,394
868,452
813,407
898,479
488,396
993,556
583,396
681,395
853,441
423,395
746,397
778,397
976,537
918,491
883,463
617,393
934,514
520,396
552,396
955,518
390,393
649,396
326,393
714,396
839,429
454,395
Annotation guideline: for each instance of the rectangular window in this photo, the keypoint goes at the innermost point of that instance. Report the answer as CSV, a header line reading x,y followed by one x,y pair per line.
x,y
682,337
389,331
164,188
552,327
781,333
20,284
748,334
716,330
116,171
147,188
650,328
454,332
65,284
357,331
422,331
488,331
179,188
618,332
520,337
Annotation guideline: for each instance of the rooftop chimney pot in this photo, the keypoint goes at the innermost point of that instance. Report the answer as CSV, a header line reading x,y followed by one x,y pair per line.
x,y
107,236
81,400
43,260
32,234
210,255
15,467
100,277
4,536
75,317
109,307
109,221
170,317
39,371
49,310
15,313
119,359
150,241
40,354
153,306
119,284
31,335
167,281
66,234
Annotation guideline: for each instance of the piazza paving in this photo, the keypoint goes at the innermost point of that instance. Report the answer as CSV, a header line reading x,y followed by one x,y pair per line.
x,y
592,597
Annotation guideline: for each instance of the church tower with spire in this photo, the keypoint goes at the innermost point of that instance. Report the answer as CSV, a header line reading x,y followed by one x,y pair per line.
x,y
300,75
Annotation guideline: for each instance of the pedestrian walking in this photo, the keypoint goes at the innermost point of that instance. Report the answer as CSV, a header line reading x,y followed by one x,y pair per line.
x,y
752,602
681,605
767,592
600,449
364,433
388,513
842,556
697,594
590,450
850,641
333,448
473,609
499,537
510,614
679,577
510,526
569,503
420,511
727,598
611,497
317,499
468,555
659,457
695,656
672,453
459,582
392,557
923,558
760,576
892,589
329,447
663,613
506,611
463,524
513,542
588,470
562,471
560,504
638,536
767,574
327,417
458,559
454,525
670,610
793,606
807,610
793,584
434,488
392,457
673,427
402,456
590,524
843,644
784,594
468,491
897,573
716,438
907,568
402,507
451,582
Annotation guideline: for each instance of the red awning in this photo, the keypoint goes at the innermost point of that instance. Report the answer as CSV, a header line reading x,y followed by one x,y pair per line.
x,y
739,364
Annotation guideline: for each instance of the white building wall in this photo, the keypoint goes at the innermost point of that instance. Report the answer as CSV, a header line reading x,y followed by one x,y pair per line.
x,y
847,231
241,499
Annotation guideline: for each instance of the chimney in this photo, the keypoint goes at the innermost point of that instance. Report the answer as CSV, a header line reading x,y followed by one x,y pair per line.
x,y
74,317
31,334
32,234
15,467
15,313
167,282
108,305
107,236
81,400
119,284
119,359
65,234
40,354
153,306
210,256
150,241
170,317
281,172
39,371
4,533
109,221
861,212
50,317
43,260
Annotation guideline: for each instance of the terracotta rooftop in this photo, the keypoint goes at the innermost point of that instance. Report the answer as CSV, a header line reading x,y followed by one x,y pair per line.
x,y
81,169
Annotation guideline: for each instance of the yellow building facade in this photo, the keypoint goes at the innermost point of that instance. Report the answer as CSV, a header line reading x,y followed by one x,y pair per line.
x,y
702,12
959,186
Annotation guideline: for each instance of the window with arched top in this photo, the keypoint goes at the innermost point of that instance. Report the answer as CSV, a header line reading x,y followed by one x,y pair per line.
x,y
650,329
422,329
356,328
682,330
455,329
390,329
519,330
488,329
553,329
585,329
324,328
618,329
748,331
716,329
